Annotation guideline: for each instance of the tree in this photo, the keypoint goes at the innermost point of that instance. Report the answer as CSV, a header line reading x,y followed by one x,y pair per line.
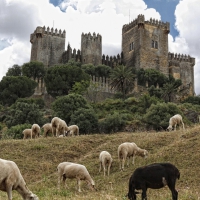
x,y
170,88
102,71
65,106
89,69
158,115
24,113
122,79
15,70
33,69
59,80
80,87
14,87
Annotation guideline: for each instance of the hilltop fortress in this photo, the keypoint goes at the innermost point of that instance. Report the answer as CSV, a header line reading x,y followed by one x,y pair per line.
x,y
144,45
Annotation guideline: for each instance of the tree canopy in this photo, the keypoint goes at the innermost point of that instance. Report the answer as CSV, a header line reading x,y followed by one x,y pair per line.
x,y
15,70
14,87
59,80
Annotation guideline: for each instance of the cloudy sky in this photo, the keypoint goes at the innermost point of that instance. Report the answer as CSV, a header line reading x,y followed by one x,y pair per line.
x,y
19,18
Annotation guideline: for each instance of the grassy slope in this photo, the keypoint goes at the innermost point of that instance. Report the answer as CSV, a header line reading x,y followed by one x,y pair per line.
x,y
38,159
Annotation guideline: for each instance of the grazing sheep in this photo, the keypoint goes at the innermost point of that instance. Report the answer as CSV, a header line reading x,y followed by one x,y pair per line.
x,y
27,133
174,121
154,176
73,130
129,149
47,129
35,131
59,126
105,159
72,170
11,179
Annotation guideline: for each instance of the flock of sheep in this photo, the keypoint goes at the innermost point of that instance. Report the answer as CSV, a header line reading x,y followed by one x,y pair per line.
x,y
11,178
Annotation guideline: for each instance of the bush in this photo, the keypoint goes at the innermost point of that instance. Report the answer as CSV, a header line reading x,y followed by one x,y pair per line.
x,y
158,115
86,120
15,132
113,123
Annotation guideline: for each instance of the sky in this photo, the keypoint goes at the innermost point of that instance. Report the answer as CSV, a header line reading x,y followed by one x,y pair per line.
x,y
19,18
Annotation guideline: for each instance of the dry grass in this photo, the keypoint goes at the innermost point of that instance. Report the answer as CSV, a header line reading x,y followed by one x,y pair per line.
x,y
38,159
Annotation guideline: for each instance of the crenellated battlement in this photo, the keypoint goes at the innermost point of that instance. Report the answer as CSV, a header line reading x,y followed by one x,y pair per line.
x,y
41,31
140,20
94,37
181,58
112,61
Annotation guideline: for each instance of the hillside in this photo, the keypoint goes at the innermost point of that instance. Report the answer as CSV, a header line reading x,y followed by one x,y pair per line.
x,y
38,159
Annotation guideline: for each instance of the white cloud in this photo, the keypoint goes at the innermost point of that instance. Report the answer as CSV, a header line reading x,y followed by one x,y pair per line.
x,y
19,18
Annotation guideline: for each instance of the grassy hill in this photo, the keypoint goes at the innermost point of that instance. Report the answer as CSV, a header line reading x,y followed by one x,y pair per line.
x,y
38,159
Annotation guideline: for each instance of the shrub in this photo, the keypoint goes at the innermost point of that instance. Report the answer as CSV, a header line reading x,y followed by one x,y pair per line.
x,y
85,119
15,132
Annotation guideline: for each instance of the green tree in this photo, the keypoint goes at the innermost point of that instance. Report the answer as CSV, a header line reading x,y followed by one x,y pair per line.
x,y
33,69
102,71
158,115
24,113
170,88
122,79
89,69
65,106
14,87
80,87
59,80
86,119
15,70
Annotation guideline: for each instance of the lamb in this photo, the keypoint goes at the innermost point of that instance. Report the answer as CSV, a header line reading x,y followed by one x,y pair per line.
x,y
73,130
129,149
73,170
174,121
59,126
105,159
35,131
11,179
27,133
47,129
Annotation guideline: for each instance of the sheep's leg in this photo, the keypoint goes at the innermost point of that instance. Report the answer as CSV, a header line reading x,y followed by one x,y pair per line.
x,y
128,160
133,160
79,185
109,165
175,127
183,125
9,192
123,162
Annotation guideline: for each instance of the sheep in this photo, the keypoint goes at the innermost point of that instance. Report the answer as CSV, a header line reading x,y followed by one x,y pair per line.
x,y
47,129
155,176
174,121
73,170
27,133
105,159
35,131
129,149
59,126
73,130
11,179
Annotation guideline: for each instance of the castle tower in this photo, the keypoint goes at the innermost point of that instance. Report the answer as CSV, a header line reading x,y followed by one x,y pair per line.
x,y
145,44
91,49
47,45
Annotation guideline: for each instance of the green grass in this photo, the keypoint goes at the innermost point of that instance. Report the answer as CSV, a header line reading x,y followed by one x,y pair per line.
x,y
37,160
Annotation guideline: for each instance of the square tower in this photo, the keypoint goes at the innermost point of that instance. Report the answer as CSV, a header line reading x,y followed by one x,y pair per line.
x,y
145,44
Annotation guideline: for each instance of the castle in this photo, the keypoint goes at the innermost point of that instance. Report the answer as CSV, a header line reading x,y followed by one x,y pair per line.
x,y
144,45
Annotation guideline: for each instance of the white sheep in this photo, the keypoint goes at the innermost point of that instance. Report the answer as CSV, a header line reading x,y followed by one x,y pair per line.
x,y
47,129
73,130
27,133
127,150
35,131
174,121
59,126
11,179
73,170
105,159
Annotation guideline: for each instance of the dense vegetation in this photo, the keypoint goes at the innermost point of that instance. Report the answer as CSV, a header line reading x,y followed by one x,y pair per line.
x,y
76,103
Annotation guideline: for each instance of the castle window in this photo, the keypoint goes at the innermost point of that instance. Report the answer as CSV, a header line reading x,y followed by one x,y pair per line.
x,y
152,44
156,44
131,46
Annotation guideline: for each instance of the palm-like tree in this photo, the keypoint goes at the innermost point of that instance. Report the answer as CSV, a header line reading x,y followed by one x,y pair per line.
x,y
170,88
122,79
